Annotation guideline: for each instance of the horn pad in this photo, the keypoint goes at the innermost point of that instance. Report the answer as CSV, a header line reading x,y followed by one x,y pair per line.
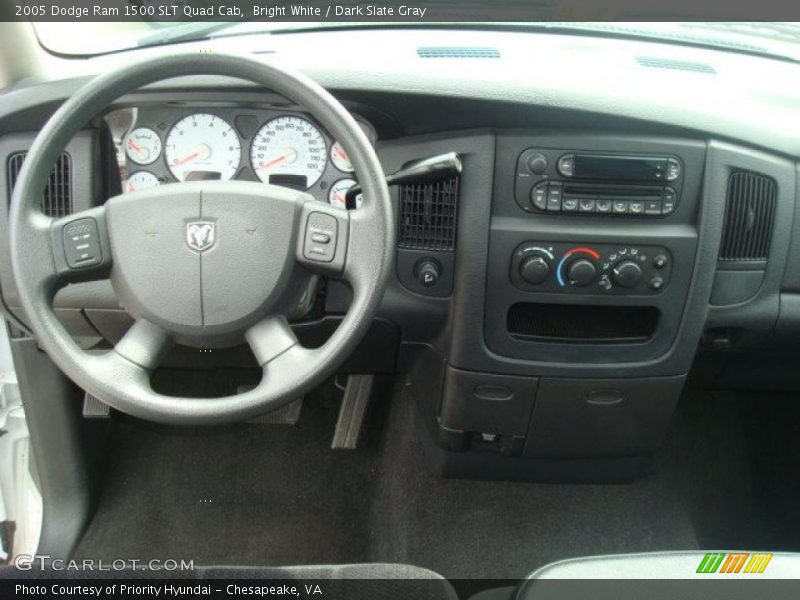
x,y
204,260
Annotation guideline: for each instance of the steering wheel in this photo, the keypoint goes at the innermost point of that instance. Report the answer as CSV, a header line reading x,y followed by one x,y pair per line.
x,y
206,264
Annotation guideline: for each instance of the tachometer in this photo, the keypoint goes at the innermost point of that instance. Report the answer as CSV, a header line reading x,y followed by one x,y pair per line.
x,y
205,144
142,145
289,150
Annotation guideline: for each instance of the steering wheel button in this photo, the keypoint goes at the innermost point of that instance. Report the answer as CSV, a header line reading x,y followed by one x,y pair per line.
x,y
82,243
321,232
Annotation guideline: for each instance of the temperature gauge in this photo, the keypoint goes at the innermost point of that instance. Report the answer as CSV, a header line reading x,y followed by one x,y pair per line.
x,y
141,180
143,145
340,159
338,193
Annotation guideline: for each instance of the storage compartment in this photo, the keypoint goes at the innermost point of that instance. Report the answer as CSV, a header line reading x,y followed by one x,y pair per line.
x,y
483,403
582,323
578,418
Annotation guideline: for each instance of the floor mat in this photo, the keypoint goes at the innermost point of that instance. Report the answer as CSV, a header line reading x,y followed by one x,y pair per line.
x,y
726,477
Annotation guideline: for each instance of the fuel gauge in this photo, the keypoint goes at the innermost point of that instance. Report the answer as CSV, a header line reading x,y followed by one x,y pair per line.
x,y
141,180
143,146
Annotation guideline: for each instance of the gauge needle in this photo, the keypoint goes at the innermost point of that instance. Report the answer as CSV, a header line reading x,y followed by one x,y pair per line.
x,y
133,145
290,153
340,153
202,149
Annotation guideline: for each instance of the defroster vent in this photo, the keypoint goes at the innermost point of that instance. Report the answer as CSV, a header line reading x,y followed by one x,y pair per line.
x,y
428,215
749,217
57,200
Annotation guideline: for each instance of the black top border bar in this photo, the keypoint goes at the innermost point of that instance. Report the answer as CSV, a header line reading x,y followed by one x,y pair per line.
x,y
414,11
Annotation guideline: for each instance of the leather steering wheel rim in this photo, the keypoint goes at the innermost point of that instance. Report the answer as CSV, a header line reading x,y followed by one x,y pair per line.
x,y
120,377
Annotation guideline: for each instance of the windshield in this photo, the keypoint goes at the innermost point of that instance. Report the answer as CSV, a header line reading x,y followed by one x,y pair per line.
x,y
89,38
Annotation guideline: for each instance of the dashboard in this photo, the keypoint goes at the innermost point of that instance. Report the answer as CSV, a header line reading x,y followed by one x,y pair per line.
x,y
602,242
168,144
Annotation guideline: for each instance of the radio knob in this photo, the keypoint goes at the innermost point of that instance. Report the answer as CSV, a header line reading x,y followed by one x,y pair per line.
x,y
626,274
537,163
534,270
581,272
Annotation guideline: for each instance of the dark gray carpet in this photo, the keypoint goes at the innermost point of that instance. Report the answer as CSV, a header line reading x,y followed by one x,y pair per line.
x,y
727,477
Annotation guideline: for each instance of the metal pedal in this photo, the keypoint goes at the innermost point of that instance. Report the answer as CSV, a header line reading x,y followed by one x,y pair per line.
x,y
356,397
94,408
286,415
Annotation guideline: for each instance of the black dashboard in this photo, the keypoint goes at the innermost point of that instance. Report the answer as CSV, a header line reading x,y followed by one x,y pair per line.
x,y
548,303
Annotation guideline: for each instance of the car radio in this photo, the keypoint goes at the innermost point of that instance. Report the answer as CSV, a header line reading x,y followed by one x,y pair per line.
x,y
575,183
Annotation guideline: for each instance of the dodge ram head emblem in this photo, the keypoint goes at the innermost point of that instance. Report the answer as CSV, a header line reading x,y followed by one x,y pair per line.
x,y
200,235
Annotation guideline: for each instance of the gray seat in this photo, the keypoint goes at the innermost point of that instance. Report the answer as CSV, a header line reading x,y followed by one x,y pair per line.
x,y
675,565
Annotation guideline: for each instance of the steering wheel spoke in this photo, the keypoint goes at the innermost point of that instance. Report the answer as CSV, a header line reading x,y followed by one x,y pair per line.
x,y
323,238
270,338
80,244
144,344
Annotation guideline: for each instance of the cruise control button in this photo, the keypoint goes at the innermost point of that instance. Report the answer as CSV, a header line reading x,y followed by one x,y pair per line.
x,y
82,243
318,227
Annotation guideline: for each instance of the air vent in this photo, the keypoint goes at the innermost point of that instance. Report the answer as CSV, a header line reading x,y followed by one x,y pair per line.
x,y
676,65
428,215
57,201
749,217
457,52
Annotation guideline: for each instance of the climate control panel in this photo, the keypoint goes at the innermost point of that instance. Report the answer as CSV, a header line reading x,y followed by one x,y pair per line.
x,y
612,269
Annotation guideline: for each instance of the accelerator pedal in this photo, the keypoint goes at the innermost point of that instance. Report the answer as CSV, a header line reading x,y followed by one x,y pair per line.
x,y
356,397
93,408
285,415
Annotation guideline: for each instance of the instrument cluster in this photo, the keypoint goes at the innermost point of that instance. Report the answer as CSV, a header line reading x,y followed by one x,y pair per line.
x,y
287,148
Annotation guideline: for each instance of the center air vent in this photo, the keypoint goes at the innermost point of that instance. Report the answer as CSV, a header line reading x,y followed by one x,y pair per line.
x,y
457,52
749,217
57,200
428,215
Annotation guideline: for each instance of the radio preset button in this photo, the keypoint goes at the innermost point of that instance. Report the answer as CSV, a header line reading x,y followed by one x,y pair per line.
x,y
569,205
604,206
636,208
586,205
620,207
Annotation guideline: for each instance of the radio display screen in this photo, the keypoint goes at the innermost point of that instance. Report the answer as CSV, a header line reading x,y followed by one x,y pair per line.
x,y
620,168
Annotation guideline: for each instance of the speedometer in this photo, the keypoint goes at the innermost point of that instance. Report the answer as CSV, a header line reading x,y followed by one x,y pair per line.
x,y
204,145
289,151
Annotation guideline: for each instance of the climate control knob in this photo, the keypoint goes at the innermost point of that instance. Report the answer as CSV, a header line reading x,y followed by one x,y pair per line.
x,y
581,272
534,269
626,274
